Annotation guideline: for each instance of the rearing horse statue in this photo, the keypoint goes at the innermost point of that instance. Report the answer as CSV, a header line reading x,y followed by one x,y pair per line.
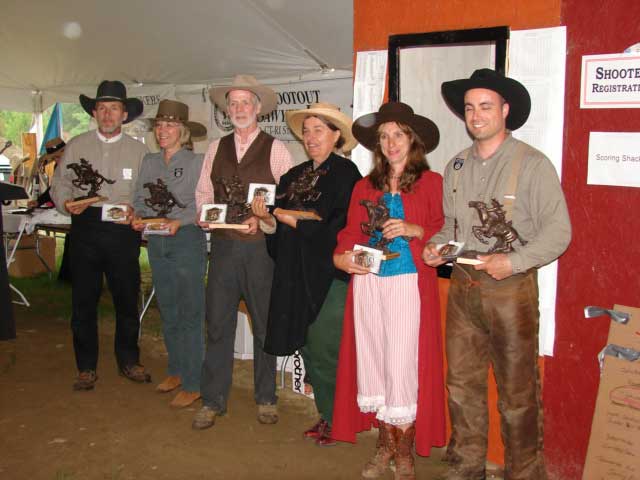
x,y
495,224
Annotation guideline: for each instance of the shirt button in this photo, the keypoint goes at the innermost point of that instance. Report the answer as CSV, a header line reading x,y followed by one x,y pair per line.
x,y
484,164
483,179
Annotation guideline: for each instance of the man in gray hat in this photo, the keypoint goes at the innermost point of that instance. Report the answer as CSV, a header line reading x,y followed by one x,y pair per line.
x,y
492,312
103,248
240,266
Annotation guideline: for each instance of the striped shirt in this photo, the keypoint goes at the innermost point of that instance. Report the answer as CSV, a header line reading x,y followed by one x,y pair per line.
x,y
280,161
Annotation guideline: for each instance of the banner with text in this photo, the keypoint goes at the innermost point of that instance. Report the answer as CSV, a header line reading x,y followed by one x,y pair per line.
x,y
291,96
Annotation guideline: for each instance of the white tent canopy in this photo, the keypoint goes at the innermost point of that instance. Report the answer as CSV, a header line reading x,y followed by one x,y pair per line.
x,y
54,50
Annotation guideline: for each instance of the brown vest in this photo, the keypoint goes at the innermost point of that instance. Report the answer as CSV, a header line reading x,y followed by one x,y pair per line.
x,y
255,167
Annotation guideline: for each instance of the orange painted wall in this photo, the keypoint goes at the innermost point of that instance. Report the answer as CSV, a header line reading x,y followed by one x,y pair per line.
x,y
375,20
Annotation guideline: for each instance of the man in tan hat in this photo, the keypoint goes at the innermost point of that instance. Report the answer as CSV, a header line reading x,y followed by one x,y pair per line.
x,y
492,313
103,248
240,266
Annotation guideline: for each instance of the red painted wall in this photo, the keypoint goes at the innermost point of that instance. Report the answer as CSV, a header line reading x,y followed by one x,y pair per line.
x,y
591,272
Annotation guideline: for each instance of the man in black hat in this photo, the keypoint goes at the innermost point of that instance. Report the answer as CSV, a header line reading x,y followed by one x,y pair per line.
x,y
492,313
104,248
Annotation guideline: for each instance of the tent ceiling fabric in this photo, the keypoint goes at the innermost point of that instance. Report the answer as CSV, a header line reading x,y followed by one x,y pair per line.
x,y
165,41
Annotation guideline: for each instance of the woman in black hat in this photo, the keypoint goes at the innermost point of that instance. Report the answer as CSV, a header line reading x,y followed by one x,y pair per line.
x,y
178,260
390,367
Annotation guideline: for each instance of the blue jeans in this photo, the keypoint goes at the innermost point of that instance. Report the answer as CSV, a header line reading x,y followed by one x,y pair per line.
x,y
178,264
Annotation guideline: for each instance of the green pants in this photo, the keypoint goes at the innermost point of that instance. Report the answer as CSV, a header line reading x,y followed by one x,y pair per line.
x,y
320,354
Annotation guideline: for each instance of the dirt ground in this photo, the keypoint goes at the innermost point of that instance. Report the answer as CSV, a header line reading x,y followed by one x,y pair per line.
x,y
122,430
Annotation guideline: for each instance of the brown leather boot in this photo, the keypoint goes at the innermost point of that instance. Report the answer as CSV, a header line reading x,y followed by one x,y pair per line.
x,y
385,451
405,468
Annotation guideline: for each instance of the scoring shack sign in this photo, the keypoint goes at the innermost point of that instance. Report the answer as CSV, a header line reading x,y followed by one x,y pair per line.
x,y
610,81
293,96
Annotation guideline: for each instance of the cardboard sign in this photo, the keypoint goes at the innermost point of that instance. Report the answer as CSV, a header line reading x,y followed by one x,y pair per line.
x,y
615,432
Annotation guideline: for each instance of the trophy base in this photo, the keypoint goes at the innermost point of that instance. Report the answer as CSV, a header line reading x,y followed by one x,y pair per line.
x,y
469,257
228,226
86,201
299,214
153,220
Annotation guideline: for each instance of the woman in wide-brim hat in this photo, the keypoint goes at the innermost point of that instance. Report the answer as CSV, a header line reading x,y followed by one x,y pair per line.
x,y
178,259
390,366
308,293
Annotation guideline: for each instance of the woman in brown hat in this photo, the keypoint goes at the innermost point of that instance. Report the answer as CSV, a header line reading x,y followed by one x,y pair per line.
x,y
390,368
308,293
178,259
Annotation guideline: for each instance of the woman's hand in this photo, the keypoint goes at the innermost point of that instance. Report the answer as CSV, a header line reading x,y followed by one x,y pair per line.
x,y
344,261
260,210
172,225
395,227
137,224
287,219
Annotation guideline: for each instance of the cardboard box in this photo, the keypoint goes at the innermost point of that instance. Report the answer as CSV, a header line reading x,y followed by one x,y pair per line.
x,y
26,263
615,432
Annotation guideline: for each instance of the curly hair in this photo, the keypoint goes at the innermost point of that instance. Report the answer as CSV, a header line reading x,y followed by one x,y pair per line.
x,y
416,163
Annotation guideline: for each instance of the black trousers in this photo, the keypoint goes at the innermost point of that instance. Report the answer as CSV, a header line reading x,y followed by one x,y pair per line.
x,y
103,249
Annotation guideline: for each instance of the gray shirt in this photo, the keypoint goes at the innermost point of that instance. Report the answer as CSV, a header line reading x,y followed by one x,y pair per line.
x,y
539,214
180,175
117,160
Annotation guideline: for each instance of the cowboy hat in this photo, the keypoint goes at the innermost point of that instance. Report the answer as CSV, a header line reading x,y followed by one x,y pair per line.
x,y
268,98
113,91
174,111
328,111
365,128
513,92
52,147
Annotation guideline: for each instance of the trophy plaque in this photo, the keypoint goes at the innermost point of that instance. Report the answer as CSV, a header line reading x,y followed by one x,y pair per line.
x,y
300,192
233,208
89,180
378,214
264,190
112,212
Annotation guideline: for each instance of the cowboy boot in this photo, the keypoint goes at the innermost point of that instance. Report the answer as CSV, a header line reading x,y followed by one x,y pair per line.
x,y
385,450
405,469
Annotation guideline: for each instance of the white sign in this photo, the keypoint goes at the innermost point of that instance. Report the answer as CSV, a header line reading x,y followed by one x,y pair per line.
x,y
614,159
368,93
537,58
610,81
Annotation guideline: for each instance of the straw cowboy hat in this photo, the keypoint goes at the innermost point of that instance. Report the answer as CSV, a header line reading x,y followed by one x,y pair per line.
x,y
365,128
268,98
328,111
174,111
52,147
513,92
113,91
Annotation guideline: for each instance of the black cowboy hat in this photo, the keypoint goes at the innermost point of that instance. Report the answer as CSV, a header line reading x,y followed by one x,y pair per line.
x,y
513,92
365,128
113,91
